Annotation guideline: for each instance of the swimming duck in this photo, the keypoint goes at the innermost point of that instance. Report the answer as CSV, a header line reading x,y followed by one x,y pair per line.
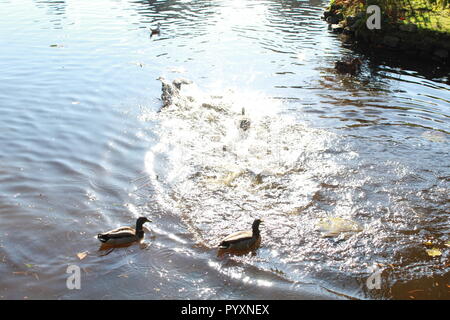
x,y
244,122
171,90
351,67
124,235
241,242
156,30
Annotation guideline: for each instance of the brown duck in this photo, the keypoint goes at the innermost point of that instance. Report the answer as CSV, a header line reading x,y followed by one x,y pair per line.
x,y
351,67
123,236
241,242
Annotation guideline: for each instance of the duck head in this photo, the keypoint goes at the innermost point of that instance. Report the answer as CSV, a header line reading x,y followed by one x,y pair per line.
x,y
140,221
255,226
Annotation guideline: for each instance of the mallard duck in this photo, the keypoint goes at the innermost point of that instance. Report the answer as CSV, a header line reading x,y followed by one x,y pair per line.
x,y
241,242
244,123
124,235
351,67
171,90
156,30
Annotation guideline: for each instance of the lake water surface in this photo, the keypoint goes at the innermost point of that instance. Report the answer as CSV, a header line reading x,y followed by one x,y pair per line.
x,y
83,149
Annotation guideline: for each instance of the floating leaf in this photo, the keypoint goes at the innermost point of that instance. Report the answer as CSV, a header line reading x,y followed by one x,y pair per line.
x,y
82,255
428,243
447,244
29,265
435,252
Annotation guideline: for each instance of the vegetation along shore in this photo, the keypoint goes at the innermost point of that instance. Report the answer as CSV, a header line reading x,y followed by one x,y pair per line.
x,y
417,28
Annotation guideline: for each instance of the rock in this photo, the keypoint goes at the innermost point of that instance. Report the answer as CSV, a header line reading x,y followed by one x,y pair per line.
x,y
327,13
391,41
347,31
354,26
441,53
360,15
445,44
332,19
337,28
426,45
350,20
410,27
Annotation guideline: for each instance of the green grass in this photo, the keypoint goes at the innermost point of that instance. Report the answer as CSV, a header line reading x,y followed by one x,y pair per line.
x,y
430,15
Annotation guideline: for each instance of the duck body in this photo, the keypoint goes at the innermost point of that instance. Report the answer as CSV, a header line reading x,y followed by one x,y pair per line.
x,y
241,242
170,91
123,235
244,122
156,30
351,67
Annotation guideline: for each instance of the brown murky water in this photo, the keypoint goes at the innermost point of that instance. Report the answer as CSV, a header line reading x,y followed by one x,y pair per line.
x,y
350,174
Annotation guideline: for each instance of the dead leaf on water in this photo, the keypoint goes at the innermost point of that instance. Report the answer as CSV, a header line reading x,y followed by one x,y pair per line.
x,y
82,255
435,252
447,244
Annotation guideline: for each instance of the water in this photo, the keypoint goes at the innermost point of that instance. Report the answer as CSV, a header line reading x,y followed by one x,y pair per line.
x,y
84,149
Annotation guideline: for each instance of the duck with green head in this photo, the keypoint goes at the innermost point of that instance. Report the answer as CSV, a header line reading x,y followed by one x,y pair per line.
x,y
242,242
124,235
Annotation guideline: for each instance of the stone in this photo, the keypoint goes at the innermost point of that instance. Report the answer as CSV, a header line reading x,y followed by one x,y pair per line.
x,y
347,31
350,20
391,41
327,13
332,20
441,53
410,27
337,28
360,15
354,26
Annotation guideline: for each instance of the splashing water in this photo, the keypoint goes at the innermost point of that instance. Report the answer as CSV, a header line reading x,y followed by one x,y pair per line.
x,y
307,184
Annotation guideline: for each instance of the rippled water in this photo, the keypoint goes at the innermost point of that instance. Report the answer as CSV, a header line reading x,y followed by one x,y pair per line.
x,y
84,149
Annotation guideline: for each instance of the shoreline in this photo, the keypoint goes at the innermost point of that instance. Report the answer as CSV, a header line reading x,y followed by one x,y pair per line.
x,y
406,39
